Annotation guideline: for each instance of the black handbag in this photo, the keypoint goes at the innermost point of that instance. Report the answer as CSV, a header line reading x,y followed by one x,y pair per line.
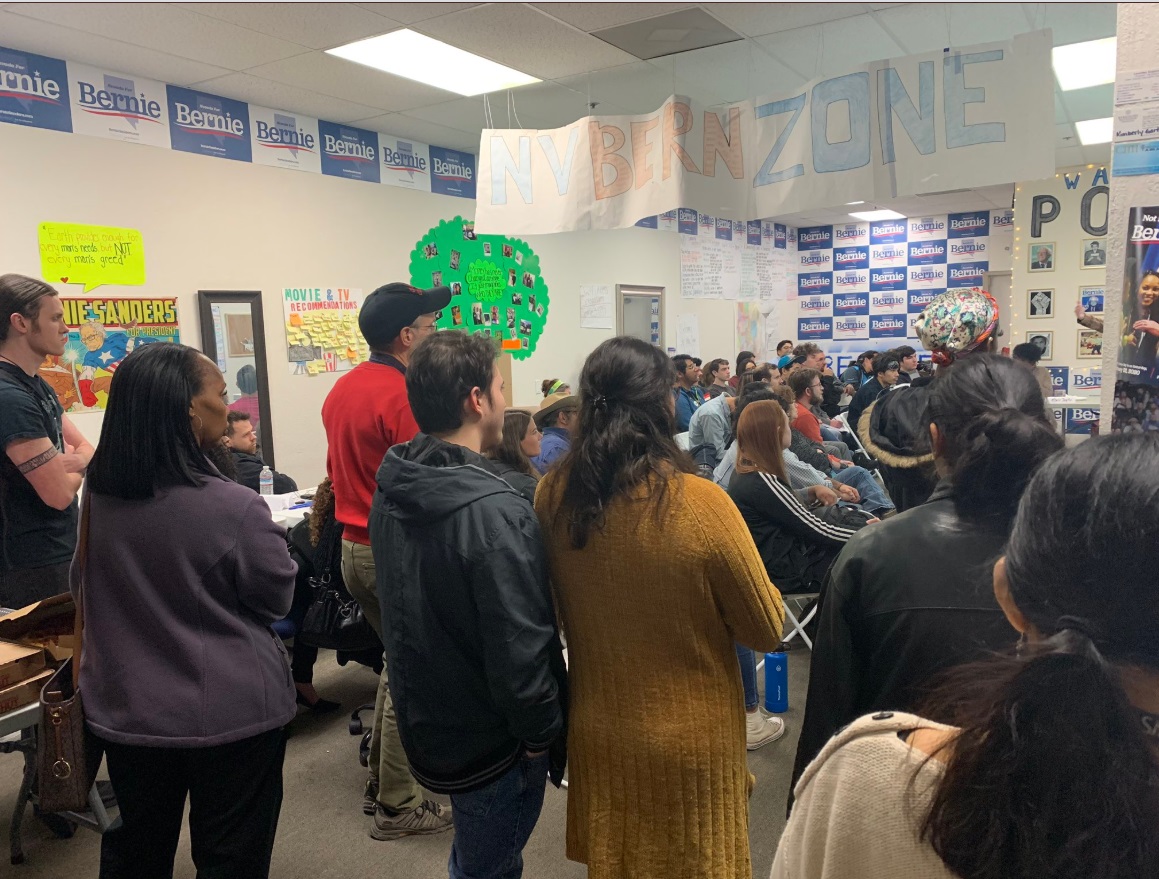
x,y
334,620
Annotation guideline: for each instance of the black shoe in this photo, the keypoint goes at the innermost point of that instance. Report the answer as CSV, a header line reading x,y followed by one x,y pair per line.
x,y
319,705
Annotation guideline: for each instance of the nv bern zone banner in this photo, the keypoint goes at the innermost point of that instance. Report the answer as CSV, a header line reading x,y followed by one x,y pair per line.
x,y
908,126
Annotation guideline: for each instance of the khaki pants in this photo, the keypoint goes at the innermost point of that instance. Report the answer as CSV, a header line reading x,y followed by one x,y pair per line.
x,y
397,789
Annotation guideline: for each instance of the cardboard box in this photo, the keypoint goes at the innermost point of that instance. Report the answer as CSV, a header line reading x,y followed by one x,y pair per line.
x,y
19,662
24,693
47,624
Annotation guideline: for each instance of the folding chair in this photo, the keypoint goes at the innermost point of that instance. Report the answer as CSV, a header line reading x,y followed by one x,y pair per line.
x,y
800,614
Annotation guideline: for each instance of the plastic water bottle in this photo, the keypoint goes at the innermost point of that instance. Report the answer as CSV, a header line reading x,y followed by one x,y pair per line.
x,y
266,481
776,683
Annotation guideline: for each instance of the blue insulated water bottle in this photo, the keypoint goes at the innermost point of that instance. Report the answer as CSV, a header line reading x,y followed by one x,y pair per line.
x,y
776,683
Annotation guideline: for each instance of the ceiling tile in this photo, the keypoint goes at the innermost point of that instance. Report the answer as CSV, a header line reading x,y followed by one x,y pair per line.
x,y
852,41
412,13
424,132
974,23
799,50
638,88
514,35
76,45
596,16
757,19
168,28
316,25
1076,22
1091,103
552,105
1098,154
1064,135
340,78
267,93
917,27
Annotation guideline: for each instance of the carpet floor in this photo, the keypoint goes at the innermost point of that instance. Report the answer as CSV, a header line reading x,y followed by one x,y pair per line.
x,y
322,833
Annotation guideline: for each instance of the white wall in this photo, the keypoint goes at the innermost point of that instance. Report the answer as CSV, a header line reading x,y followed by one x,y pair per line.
x,y
220,225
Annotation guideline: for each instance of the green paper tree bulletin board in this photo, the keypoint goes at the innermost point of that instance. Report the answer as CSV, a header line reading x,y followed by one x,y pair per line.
x,y
495,284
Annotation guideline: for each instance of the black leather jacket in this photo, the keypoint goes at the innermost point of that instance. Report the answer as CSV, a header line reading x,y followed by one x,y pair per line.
x,y
476,665
907,598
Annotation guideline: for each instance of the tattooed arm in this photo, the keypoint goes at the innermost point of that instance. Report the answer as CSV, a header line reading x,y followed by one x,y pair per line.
x,y
47,470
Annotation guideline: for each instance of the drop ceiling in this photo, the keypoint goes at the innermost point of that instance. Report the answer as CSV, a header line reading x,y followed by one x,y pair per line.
x,y
272,54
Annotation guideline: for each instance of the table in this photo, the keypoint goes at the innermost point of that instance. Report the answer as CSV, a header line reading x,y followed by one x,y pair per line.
x,y
24,721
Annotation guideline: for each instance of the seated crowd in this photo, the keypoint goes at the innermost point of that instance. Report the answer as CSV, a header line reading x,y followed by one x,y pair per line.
x,y
984,684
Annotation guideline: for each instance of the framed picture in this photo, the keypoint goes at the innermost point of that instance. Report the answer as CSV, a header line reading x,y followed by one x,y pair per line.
x,y
1041,256
1090,344
1039,303
1092,299
1094,253
1044,340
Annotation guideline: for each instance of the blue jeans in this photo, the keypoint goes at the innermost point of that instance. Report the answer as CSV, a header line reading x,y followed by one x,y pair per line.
x,y
873,498
493,824
748,676
830,433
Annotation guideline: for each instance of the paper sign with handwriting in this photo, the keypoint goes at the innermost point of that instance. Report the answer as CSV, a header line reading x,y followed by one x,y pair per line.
x,y
72,253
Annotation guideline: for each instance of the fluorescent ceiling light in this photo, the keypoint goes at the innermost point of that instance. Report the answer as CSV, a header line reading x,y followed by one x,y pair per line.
x,y
423,59
1092,131
874,216
1082,65
848,203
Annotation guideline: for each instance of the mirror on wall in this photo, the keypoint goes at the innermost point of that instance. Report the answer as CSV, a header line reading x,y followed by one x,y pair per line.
x,y
233,334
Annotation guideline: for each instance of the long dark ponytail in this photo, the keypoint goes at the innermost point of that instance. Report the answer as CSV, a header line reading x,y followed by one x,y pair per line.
x,y
994,432
626,425
1052,775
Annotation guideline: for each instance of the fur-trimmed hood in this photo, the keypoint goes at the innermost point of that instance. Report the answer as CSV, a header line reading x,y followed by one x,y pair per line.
x,y
894,428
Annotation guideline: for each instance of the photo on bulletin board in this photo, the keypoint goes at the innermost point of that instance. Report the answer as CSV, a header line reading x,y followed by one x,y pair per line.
x,y
1041,256
1040,303
239,335
1092,299
1044,341
1094,253
1090,344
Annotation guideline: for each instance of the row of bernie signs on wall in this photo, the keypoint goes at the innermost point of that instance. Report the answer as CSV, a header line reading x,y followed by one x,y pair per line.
x,y
65,96
870,280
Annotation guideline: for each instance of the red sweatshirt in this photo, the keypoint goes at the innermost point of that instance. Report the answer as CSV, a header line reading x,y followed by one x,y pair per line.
x,y
364,415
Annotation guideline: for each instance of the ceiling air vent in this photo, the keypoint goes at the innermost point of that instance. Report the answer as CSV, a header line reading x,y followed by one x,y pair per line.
x,y
668,34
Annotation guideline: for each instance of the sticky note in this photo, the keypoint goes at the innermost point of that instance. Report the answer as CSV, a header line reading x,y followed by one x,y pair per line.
x,y
73,253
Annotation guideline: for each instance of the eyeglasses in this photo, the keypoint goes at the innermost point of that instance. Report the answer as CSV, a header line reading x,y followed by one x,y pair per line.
x,y
423,327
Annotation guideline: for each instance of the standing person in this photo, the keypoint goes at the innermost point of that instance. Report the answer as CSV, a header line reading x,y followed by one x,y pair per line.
x,y
365,413
1027,356
557,418
522,441
686,393
785,346
716,377
44,453
1089,321
651,566
476,663
956,324
886,371
180,573
886,625
241,439
250,399
1049,769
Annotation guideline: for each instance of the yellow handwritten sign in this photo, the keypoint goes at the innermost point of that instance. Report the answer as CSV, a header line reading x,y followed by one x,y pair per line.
x,y
72,253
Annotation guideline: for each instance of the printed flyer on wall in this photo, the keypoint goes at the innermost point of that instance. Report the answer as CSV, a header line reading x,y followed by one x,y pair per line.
x,y
1140,328
102,332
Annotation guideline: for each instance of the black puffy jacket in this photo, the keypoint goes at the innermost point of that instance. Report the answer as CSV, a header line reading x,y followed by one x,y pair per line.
x,y
895,430
476,666
907,598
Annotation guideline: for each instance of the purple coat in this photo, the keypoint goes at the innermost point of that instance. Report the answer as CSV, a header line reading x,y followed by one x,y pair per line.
x,y
179,594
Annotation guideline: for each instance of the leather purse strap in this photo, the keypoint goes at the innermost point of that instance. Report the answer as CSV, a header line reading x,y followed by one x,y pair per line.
x,y
80,558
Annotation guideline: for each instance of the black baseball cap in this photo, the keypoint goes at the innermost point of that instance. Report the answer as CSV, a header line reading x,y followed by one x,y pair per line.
x,y
394,306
